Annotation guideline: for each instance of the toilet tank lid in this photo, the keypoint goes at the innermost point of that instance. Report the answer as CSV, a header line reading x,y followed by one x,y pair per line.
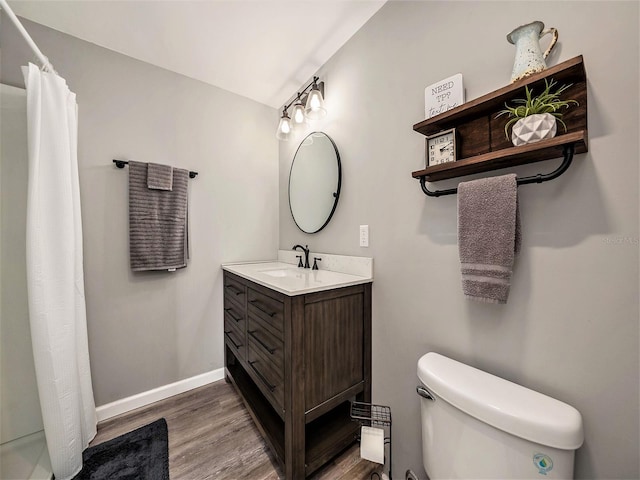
x,y
504,405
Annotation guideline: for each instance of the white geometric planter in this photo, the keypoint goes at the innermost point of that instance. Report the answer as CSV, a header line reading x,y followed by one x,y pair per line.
x,y
533,128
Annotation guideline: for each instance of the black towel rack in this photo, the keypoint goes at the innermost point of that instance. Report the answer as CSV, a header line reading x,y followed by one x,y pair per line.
x,y
567,152
122,163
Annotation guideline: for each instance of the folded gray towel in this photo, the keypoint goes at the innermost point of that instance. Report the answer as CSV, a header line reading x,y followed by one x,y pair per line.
x,y
488,236
157,221
159,177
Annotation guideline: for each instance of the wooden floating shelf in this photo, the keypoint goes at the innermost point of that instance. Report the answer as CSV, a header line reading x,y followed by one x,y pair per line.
x,y
507,157
482,144
571,71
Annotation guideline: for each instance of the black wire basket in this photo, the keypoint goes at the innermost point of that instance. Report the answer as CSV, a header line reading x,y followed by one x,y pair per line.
x,y
369,414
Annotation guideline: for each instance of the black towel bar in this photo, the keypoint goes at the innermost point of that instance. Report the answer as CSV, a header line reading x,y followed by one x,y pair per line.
x,y
122,163
567,152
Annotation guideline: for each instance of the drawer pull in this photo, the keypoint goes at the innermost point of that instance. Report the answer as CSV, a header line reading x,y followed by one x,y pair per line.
x,y
229,310
264,380
264,345
237,345
234,290
262,307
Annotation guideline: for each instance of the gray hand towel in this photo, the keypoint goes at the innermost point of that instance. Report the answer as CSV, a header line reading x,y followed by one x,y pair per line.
x,y
159,177
157,221
488,236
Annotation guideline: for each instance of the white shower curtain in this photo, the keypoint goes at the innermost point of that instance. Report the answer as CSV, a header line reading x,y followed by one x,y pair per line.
x,y
55,271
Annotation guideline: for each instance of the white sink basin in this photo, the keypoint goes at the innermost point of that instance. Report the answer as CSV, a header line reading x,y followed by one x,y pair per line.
x,y
280,272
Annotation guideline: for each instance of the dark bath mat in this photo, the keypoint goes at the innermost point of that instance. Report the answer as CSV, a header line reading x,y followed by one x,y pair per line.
x,y
142,454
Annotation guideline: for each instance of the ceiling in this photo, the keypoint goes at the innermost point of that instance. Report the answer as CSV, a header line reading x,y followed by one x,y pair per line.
x,y
262,49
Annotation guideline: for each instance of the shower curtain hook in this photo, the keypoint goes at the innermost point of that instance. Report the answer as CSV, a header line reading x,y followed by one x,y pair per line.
x,y
46,66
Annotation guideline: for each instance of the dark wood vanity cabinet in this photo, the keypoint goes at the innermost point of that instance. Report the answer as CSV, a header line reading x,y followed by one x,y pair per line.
x,y
297,361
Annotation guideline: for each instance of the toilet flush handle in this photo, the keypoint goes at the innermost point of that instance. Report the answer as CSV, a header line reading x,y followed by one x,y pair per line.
x,y
424,393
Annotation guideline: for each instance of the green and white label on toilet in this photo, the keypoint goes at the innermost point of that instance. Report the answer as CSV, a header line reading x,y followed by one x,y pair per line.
x,y
543,463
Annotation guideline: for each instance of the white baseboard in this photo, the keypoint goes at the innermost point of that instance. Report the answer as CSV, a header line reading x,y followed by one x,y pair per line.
x,y
145,398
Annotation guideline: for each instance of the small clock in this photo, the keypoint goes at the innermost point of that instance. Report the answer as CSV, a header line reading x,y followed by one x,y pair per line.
x,y
441,147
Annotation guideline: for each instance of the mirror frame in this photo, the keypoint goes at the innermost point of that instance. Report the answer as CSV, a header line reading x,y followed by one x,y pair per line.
x,y
336,194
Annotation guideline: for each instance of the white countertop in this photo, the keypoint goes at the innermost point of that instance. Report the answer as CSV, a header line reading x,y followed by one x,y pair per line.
x,y
289,279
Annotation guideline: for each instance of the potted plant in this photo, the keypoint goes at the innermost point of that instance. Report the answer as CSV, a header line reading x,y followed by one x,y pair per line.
x,y
535,118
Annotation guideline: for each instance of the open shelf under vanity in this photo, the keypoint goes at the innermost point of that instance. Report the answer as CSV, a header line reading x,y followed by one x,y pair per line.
x,y
324,435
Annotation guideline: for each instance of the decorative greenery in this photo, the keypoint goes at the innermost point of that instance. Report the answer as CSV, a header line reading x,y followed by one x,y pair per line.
x,y
547,102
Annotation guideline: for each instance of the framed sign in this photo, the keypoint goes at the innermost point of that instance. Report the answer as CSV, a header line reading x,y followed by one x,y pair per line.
x,y
443,95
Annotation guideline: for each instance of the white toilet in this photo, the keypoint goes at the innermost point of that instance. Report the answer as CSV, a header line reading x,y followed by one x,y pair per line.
x,y
476,425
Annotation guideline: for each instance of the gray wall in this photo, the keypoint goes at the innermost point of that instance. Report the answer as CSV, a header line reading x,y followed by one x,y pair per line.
x,y
570,328
149,330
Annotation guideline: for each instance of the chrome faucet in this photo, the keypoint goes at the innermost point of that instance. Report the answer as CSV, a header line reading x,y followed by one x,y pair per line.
x,y
305,249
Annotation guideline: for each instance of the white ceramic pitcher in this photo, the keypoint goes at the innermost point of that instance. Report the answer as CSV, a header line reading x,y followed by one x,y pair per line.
x,y
529,57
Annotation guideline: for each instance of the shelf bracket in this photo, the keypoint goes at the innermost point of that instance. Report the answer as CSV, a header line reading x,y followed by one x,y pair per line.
x,y
567,152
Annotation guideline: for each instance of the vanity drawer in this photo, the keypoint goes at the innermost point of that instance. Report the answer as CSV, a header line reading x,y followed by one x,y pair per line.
x,y
267,378
235,341
267,309
234,314
271,347
236,326
235,291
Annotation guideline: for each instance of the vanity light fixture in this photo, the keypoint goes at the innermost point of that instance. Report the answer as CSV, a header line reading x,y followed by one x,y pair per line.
x,y
309,104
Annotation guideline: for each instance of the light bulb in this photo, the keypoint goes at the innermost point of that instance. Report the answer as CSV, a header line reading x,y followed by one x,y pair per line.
x,y
297,116
284,127
315,104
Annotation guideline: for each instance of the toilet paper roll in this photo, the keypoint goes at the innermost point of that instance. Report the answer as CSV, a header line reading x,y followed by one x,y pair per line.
x,y
372,444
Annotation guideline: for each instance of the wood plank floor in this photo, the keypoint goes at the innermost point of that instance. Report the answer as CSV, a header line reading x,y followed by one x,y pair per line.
x,y
212,436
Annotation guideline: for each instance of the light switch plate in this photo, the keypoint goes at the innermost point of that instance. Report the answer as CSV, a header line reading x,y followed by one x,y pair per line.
x,y
364,235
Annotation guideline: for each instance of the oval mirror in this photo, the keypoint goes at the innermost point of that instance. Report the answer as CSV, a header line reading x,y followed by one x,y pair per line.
x,y
314,182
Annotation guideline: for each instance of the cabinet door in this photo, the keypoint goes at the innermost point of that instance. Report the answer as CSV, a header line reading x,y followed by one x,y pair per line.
x,y
333,347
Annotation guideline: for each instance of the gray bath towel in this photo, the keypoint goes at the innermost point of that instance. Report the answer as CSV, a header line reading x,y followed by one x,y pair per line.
x,y
157,221
488,236
159,177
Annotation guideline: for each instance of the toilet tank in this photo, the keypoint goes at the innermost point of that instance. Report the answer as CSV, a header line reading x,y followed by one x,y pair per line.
x,y
482,426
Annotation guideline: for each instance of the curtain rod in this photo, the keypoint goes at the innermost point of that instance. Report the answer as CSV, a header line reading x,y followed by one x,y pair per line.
x,y
46,65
